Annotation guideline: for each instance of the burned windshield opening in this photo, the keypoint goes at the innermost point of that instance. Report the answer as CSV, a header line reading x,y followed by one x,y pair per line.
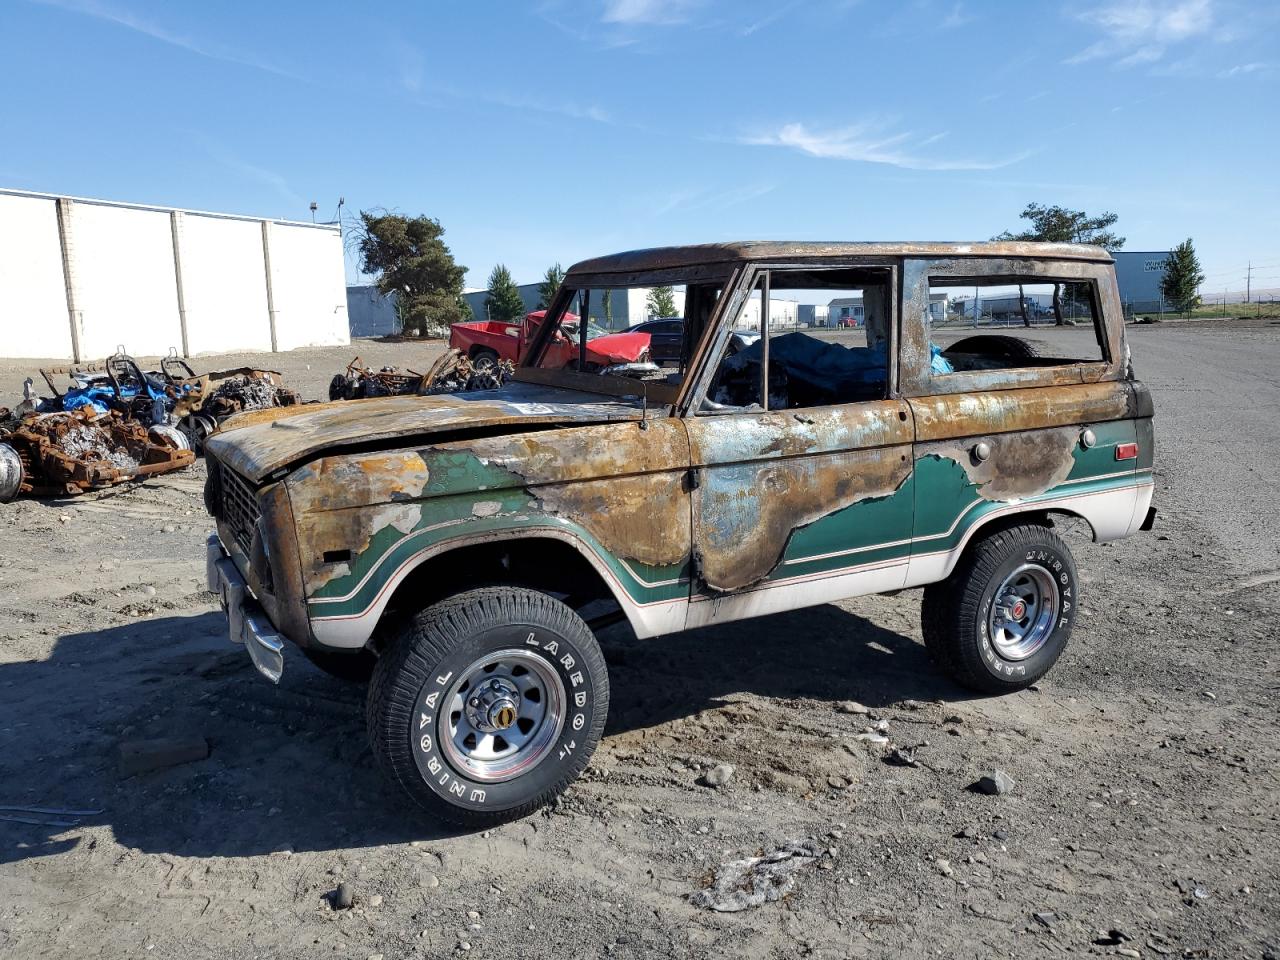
x,y
644,333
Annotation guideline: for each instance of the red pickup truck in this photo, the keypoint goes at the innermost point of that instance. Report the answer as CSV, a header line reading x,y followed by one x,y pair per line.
x,y
489,341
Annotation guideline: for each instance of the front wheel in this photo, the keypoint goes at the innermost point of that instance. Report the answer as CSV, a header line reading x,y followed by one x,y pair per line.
x,y
489,704
1004,615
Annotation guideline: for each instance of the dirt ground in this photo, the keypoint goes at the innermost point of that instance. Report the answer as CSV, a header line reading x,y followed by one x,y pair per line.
x,y
1143,822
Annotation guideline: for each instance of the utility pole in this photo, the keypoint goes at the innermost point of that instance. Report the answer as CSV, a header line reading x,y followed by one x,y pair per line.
x,y
1248,283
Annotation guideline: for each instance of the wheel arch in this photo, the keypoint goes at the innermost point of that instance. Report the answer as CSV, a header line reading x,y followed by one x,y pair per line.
x,y
552,560
1107,514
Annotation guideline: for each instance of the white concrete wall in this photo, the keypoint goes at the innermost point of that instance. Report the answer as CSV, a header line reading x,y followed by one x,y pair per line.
x,y
128,288
33,292
125,287
224,284
309,290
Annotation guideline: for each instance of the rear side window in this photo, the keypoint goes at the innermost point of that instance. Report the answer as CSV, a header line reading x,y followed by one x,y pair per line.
x,y
1012,323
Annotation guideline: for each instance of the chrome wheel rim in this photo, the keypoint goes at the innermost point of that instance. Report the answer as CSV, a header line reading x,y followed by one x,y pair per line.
x,y
502,715
1023,612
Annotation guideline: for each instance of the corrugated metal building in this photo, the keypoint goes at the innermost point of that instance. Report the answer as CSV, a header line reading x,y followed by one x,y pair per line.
x,y
1138,274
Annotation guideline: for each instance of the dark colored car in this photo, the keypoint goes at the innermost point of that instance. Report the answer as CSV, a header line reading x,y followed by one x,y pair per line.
x,y
666,338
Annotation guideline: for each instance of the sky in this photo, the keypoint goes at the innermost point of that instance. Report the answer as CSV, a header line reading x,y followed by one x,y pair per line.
x,y
555,130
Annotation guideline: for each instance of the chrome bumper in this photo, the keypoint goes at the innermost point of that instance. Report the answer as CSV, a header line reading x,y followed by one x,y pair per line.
x,y
247,622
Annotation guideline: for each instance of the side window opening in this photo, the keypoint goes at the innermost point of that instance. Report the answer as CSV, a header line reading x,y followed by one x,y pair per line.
x,y
1015,322
828,341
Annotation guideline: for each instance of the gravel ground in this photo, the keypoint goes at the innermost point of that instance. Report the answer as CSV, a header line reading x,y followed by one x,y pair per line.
x,y
1143,821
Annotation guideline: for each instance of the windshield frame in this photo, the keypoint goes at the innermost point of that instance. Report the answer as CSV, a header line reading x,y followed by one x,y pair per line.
x,y
725,274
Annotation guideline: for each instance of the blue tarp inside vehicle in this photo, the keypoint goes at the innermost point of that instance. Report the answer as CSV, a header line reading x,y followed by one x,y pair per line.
x,y
828,366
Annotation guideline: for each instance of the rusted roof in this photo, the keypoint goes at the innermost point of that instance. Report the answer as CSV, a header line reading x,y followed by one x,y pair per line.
x,y
656,258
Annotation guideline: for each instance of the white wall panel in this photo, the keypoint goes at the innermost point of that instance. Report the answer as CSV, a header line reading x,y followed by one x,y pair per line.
x,y
126,290
224,284
308,287
33,293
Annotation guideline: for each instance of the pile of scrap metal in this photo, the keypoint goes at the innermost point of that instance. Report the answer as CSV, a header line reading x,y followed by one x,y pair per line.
x,y
116,422
451,373
65,453
173,399
206,400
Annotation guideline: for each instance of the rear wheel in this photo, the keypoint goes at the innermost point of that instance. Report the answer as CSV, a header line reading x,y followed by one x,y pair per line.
x,y
484,361
1004,616
489,704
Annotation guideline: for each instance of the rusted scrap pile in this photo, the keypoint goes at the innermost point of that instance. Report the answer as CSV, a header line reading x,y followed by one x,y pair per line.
x,y
203,402
60,454
115,422
451,373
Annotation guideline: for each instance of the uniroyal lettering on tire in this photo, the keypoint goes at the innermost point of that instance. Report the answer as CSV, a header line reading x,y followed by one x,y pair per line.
x,y
1004,616
488,704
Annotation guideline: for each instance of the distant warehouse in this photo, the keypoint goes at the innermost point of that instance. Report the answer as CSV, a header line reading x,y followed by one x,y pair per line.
x,y
1138,275
80,277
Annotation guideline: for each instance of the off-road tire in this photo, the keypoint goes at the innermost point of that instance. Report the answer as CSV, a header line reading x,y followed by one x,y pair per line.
x,y
955,613
432,649
355,667
994,345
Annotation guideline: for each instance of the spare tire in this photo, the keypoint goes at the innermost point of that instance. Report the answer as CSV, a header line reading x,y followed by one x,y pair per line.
x,y
992,345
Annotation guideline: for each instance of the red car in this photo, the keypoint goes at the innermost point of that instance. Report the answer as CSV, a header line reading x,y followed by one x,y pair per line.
x,y
489,341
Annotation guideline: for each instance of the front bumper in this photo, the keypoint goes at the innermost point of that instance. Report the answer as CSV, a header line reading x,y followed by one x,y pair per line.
x,y
247,621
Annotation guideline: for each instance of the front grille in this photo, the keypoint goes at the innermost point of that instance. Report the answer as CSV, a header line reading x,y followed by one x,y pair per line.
x,y
239,507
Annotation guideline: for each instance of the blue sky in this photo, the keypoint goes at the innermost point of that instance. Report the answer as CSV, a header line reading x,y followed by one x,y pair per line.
x,y
560,129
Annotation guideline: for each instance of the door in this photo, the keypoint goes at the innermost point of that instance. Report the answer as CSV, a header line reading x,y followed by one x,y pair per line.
x,y
812,500
1017,390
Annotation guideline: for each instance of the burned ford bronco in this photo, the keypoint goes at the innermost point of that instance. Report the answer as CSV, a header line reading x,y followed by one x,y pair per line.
x,y
926,423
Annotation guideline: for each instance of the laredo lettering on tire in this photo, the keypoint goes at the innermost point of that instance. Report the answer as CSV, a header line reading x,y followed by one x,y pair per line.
x,y
488,704
1004,616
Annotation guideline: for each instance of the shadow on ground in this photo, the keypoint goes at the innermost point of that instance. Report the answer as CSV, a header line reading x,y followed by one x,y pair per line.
x,y
289,768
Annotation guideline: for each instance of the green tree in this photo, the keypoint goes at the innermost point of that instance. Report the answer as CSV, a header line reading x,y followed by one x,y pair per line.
x,y
1180,284
606,303
548,287
1060,225
661,302
410,259
504,302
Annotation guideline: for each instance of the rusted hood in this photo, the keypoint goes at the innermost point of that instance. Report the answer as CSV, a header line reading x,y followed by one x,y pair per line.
x,y
258,443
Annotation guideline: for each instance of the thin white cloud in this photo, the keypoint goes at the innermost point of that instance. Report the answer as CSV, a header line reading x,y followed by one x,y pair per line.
x,y
1141,31
130,21
1243,69
253,172
563,108
701,198
651,12
958,17
778,13
410,66
865,143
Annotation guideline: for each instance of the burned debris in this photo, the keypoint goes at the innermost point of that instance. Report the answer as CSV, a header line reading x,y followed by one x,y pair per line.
x,y
112,421
451,373
67,453
205,401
